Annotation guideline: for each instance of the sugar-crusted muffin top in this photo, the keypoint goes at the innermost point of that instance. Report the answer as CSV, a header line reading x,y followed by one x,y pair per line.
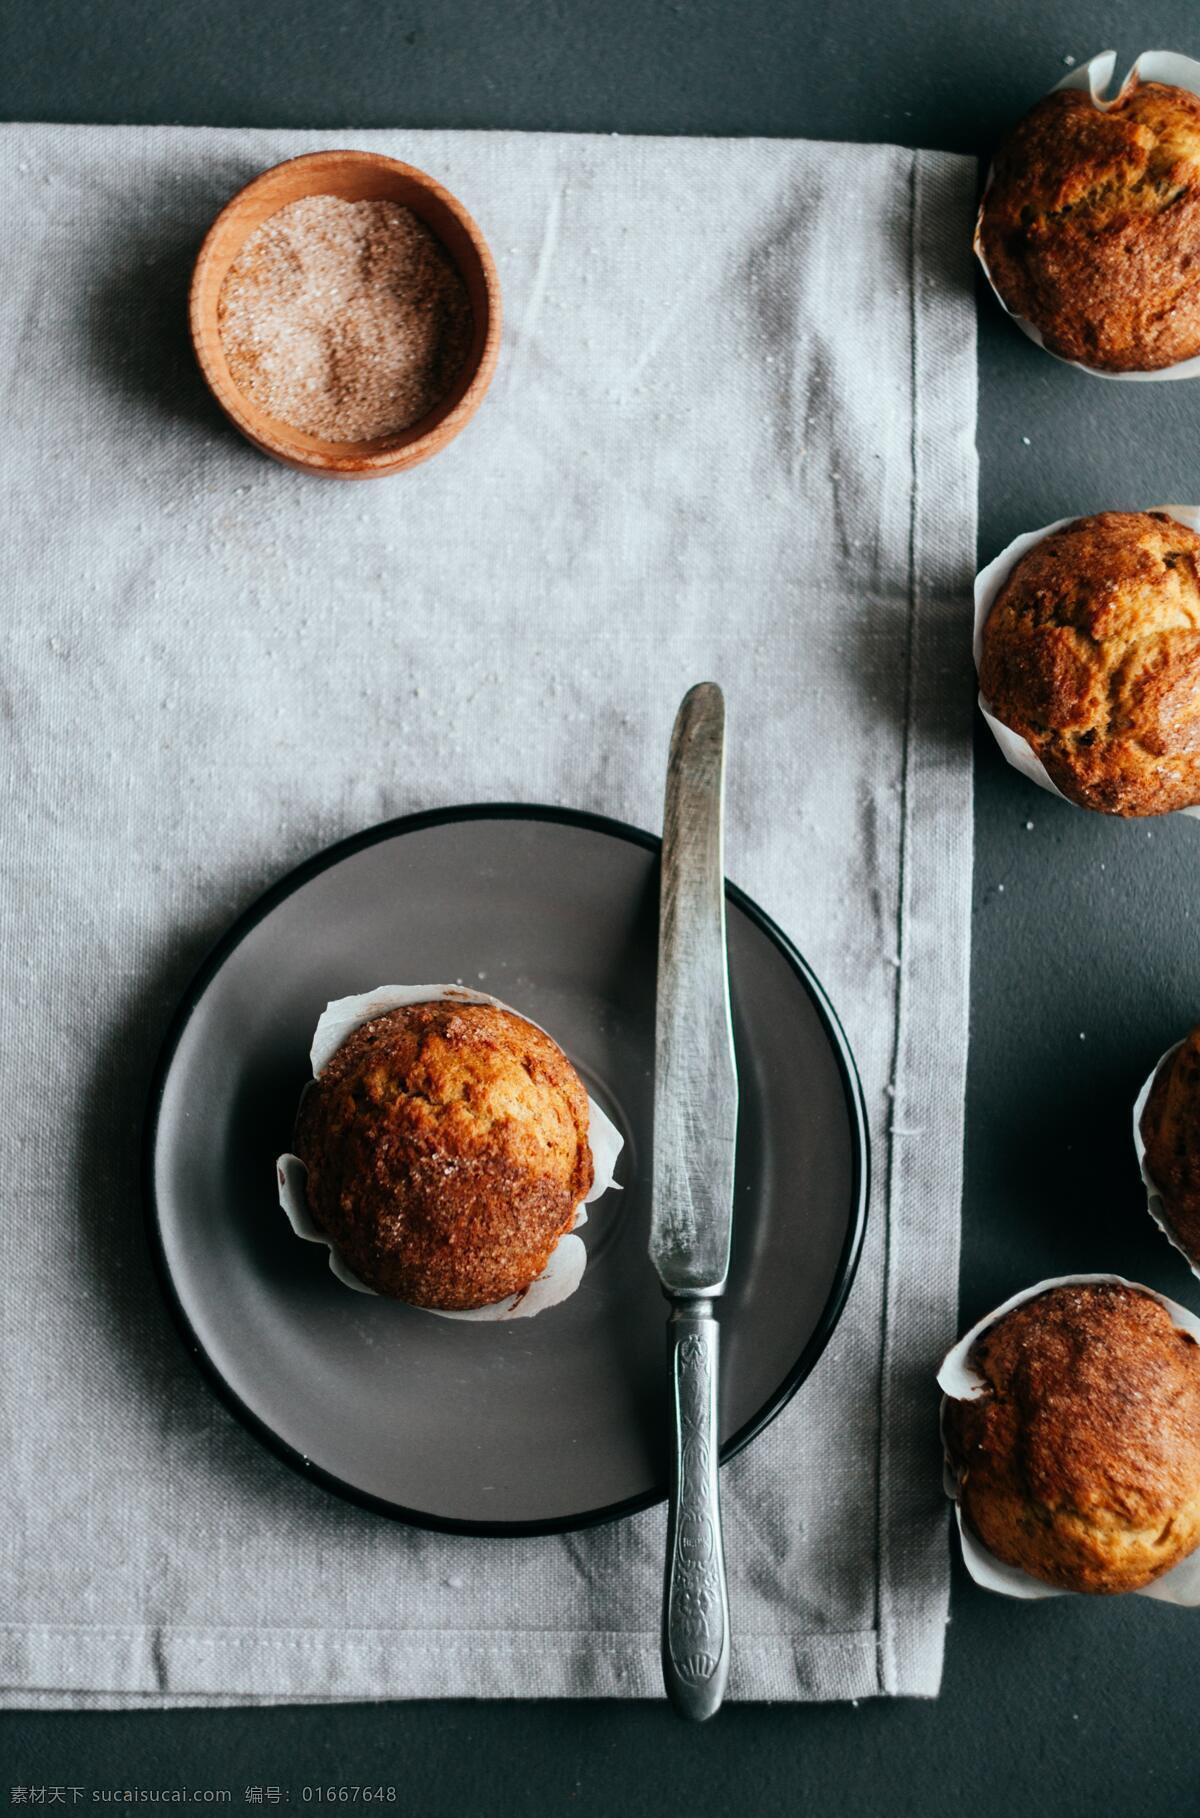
x,y
1080,1462
1091,652
447,1150
1170,1129
1091,226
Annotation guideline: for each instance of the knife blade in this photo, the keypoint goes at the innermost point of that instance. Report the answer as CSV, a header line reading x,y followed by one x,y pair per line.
x,y
695,1131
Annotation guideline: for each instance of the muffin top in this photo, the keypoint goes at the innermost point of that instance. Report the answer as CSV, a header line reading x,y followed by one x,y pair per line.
x,y
1092,652
447,1150
1091,226
1080,1462
1171,1133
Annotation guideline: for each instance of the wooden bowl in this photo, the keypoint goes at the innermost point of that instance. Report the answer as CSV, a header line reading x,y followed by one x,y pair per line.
x,y
356,177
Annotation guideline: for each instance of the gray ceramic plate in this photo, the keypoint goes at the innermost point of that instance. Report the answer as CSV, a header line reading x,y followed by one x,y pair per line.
x,y
536,1424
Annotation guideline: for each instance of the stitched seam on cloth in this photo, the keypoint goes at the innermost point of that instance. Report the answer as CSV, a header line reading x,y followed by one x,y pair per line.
x,y
881,1547
535,1640
926,1157
191,1675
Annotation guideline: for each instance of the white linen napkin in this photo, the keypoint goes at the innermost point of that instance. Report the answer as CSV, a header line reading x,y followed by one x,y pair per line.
x,y
731,436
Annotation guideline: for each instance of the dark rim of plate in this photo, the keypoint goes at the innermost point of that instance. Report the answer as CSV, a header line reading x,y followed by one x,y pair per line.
x,y
232,938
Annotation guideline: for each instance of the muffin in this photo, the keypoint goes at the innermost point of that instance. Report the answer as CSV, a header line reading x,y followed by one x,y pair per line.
x,y
1170,1129
446,1149
1091,652
1090,228
1080,1461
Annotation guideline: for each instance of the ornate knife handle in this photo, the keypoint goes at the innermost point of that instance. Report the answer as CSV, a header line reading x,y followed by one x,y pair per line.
x,y
695,1605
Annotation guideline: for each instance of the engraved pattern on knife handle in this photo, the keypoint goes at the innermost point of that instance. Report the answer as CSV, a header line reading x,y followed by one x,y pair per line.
x,y
695,1608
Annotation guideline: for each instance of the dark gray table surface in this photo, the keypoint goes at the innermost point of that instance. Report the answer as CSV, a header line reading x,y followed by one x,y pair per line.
x,y
1085,961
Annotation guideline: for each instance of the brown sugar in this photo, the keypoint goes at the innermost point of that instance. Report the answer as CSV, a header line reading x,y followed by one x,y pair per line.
x,y
347,320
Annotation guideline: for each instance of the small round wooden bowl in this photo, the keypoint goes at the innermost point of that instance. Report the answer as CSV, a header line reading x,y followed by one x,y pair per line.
x,y
356,177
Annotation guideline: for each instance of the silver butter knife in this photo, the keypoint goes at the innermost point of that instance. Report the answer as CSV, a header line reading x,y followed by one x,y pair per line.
x,y
695,1127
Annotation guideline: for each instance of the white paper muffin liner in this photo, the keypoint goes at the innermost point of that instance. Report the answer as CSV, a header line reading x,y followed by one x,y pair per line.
x,y
988,583
568,1259
1094,77
1155,1204
959,1383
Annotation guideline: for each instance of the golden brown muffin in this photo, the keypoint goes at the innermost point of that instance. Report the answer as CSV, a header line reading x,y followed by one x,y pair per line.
x,y
1091,226
447,1149
1091,652
1171,1133
1080,1463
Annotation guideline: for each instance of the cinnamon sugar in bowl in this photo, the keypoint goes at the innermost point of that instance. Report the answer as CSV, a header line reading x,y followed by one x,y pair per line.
x,y
345,313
